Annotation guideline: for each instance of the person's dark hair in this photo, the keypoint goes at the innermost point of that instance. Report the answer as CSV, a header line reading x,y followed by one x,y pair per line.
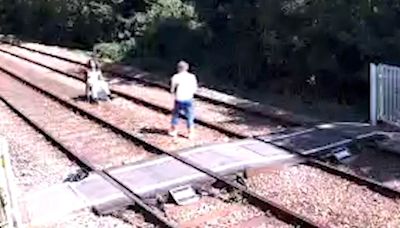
x,y
96,64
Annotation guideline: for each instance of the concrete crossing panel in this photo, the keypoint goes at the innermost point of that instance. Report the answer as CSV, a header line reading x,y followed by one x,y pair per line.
x,y
160,175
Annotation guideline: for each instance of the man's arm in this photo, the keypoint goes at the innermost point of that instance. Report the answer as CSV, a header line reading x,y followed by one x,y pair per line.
x,y
195,84
173,84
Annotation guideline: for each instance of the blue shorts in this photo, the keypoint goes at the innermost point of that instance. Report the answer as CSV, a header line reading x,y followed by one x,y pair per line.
x,y
186,109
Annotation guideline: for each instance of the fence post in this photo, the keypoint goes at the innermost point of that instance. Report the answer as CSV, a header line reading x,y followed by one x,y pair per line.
x,y
373,107
11,207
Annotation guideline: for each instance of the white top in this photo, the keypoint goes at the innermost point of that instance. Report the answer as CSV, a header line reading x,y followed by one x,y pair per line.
x,y
93,77
184,84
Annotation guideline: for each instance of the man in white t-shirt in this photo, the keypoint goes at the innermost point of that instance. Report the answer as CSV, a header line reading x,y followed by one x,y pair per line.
x,y
183,86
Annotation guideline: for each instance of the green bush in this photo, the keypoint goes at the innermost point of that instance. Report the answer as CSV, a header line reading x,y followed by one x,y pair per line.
x,y
248,43
115,51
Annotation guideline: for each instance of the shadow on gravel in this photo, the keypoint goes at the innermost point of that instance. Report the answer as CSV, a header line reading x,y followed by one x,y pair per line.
x,y
378,165
155,131
78,176
80,98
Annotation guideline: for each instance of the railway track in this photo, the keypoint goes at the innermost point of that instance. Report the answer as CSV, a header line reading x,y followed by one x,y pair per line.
x,y
384,198
134,118
221,116
52,127
94,143
327,199
39,165
35,111
272,113
373,162
33,170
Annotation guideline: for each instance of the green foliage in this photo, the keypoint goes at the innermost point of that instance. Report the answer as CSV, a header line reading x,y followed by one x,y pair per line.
x,y
164,9
266,44
115,51
169,30
79,22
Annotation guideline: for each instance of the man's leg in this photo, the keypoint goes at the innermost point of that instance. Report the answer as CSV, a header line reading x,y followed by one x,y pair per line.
x,y
175,119
189,110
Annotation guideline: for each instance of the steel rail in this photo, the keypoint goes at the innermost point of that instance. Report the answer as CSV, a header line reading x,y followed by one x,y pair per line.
x,y
283,119
277,210
150,214
368,182
140,101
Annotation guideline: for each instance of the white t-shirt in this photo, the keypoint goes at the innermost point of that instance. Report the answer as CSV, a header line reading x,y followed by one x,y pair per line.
x,y
184,84
93,77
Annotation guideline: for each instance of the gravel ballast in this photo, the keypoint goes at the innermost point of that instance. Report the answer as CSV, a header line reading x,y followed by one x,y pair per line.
x,y
97,144
140,120
212,212
86,219
383,167
235,120
326,199
36,163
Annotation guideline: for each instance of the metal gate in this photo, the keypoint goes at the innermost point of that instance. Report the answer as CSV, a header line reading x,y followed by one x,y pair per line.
x,y
385,94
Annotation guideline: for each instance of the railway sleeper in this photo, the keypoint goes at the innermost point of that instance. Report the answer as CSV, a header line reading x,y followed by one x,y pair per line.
x,y
163,201
205,186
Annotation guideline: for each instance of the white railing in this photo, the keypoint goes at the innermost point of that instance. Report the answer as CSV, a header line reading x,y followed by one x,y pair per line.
x,y
385,94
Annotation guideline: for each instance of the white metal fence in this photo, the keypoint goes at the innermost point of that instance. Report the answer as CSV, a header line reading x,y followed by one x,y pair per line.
x,y
11,217
385,94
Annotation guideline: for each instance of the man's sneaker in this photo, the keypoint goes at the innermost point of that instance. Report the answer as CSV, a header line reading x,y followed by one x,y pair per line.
x,y
173,133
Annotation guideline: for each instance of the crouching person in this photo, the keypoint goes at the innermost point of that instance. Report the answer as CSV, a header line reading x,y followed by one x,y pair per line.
x,y
183,86
96,87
